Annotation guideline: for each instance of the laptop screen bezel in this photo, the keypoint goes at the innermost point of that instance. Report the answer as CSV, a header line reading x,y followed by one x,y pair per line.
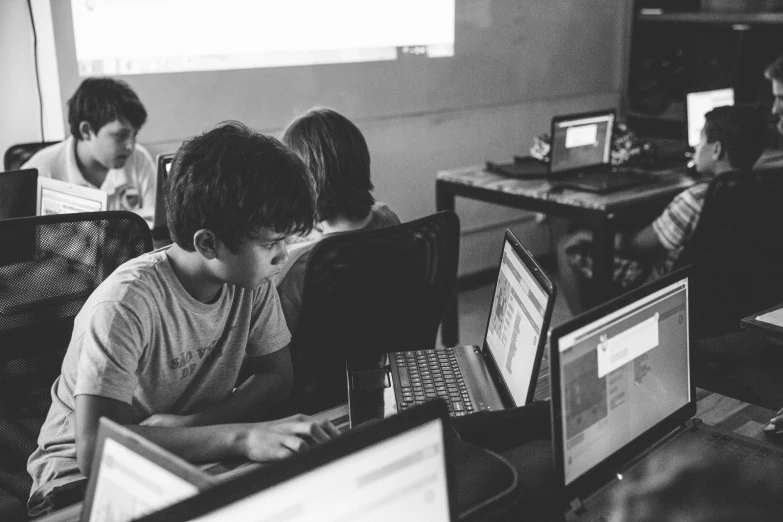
x,y
699,91
551,291
242,486
607,470
558,119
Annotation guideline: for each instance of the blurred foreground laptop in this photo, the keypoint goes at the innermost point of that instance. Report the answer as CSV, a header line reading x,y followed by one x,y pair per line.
x,y
58,197
500,374
131,477
622,391
395,469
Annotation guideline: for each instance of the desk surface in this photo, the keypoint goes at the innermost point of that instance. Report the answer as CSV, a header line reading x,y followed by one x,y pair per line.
x,y
672,182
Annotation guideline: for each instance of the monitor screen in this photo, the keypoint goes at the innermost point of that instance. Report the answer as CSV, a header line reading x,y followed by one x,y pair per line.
x,y
700,103
246,34
401,478
621,375
581,142
515,323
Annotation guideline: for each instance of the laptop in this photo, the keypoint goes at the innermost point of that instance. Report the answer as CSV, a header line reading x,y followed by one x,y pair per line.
x,y
17,199
59,197
159,226
622,391
500,374
395,469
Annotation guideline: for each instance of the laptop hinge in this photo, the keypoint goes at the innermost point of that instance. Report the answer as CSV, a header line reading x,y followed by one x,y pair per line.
x,y
577,507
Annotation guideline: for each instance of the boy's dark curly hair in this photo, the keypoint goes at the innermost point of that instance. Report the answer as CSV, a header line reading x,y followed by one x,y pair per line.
x,y
99,101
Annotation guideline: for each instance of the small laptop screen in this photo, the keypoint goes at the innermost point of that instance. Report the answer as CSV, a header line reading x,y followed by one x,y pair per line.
x,y
581,142
515,323
401,478
130,486
621,375
59,197
700,103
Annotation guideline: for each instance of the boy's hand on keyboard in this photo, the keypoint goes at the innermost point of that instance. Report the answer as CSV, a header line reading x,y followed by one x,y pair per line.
x,y
775,426
282,438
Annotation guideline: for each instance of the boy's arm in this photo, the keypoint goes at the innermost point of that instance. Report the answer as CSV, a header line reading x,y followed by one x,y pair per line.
x,y
261,441
644,243
270,383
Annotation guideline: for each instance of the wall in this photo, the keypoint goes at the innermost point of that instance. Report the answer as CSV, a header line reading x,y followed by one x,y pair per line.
x,y
527,61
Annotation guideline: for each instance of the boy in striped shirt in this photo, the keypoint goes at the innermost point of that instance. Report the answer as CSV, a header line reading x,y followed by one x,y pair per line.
x,y
732,139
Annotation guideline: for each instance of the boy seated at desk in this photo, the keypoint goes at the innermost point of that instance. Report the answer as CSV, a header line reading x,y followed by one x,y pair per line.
x,y
732,139
104,116
338,159
159,344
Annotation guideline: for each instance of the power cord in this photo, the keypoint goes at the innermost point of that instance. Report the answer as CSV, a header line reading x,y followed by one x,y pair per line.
x,y
37,75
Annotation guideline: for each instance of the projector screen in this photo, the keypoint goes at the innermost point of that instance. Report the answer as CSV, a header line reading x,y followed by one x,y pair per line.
x,y
125,37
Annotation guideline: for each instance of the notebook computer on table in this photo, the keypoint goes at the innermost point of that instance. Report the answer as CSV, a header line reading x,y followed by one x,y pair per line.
x,y
392,470
622,391
17,199
59,197
500,374
159,225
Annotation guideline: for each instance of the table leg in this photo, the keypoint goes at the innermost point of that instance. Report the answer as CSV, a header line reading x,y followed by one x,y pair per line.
x,y
603,258
445,200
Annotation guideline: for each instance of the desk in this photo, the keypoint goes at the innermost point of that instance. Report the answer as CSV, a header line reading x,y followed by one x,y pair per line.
x,y
599,212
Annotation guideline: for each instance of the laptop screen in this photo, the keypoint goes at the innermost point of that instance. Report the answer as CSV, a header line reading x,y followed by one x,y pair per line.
x,y
700,103
515,324
400,478
581,141
59,197
621,375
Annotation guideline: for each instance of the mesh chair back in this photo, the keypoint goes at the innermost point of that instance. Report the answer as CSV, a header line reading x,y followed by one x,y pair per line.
x,y
57,262
17,155
736,251
370,292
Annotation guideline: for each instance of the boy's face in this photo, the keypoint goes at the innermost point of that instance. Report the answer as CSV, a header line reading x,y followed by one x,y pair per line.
x,y
113,144
703,157
256,260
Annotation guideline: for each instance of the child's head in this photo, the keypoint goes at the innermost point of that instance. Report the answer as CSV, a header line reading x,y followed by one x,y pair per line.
x,y
336,154
106,114
734,134
240,186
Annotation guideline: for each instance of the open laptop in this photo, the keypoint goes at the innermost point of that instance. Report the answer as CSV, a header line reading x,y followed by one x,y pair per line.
x,y
622,391
59,197
392,470
159,226
17,199
500,374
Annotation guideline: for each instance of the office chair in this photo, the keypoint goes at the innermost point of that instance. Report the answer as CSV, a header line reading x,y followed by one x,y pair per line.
x,y
58,261
736,251
17,155
371,292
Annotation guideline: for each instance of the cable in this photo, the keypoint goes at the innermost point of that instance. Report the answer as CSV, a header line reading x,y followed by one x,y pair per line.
x,y
37,75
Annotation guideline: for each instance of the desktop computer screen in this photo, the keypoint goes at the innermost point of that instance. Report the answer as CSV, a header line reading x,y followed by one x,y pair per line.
x,y
700,103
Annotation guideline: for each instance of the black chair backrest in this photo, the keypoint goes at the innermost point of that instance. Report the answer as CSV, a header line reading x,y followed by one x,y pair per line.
x,y
736,251
59,261
370,292
17,155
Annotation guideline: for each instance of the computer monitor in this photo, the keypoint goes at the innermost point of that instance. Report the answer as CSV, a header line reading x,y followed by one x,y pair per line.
x,y
391,470
159,226
58,197
17,193
700,103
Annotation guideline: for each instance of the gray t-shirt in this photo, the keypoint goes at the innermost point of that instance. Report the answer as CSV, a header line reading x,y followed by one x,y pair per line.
x,y
143,340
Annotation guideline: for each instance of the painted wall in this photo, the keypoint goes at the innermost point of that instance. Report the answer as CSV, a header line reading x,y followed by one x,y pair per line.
x,y
528,60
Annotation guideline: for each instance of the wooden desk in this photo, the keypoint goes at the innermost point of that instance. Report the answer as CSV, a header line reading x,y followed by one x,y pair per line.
x,y
602,213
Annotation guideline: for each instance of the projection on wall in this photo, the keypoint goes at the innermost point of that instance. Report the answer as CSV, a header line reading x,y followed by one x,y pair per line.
x,y
124,37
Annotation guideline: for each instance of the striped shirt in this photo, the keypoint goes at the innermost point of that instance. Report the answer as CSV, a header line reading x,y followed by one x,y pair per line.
x,y
676,224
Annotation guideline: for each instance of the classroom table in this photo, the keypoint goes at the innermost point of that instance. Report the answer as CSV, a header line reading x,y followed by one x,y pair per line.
x,y
604,214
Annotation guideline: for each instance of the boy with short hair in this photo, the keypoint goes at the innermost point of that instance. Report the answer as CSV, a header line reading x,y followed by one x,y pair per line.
x,y
732,139
104,116
159,344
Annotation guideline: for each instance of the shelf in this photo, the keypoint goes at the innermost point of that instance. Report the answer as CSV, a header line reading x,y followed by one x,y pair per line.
x,y
711,18
675,112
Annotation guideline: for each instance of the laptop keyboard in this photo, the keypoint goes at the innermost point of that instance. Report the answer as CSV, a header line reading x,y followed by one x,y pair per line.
x,y
429,374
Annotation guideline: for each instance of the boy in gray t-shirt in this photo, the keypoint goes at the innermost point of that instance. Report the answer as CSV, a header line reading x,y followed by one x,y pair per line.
x,y
159,344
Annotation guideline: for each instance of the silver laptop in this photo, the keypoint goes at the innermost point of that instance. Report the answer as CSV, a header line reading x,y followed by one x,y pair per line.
x,y
392,470
622,391
501,373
